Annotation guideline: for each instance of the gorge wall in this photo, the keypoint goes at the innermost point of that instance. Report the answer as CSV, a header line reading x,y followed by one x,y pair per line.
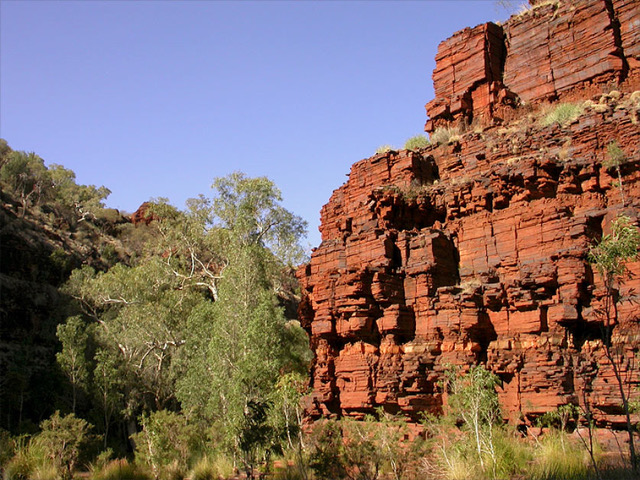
x,y
557,50
474,250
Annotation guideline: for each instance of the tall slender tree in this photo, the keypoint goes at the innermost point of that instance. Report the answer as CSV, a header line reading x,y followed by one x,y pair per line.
x,y
610,257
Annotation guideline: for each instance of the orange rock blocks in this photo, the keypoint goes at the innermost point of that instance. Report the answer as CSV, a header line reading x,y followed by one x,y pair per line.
x,y
475,251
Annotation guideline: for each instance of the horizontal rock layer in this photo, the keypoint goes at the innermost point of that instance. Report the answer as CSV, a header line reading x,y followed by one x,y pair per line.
x,y
475,252
555,50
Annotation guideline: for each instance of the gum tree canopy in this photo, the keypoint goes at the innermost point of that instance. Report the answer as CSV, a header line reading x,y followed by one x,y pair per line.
x,y
196,321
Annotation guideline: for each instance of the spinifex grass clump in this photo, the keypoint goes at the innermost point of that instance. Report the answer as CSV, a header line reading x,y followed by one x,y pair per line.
x,y
119,470
417,142
562,114
384,149
558,458
445,135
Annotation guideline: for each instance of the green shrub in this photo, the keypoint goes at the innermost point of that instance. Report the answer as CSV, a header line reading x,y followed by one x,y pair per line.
x,y
615,156
362,450
63,440
417,142
562,114
513,455
454,463
445,135
326,450
165,442
110,254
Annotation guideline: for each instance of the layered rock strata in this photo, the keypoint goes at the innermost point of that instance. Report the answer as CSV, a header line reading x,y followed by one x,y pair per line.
x,y
475,251
555,50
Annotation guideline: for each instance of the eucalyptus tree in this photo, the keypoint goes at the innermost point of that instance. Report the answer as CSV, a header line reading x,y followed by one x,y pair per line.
x,y
610,257
197,318
240,345
73,359
26,176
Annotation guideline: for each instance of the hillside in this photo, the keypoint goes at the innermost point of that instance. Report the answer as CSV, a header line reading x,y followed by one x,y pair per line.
x,y
40,244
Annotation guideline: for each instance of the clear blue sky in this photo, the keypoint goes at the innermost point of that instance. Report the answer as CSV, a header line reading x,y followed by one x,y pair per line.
x,y
157,98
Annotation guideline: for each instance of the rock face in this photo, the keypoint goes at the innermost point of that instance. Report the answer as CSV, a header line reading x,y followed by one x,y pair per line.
x,y
555,50
142,215
475,251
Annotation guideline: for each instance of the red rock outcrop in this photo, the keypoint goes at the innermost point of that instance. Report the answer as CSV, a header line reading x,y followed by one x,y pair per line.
x,y
567,49
476,252
142,215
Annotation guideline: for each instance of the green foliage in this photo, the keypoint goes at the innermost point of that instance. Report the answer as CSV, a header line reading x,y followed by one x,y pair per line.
x,y
561,417
610,257
108,386
61,262
474,400
255,435
362,450
615,155
80,199
557,458
140,312
7,446
326,444
287,412
239,346
611,254
614,160
194,324
417,142
26,176
166,441
249,211
5,150
72,359
63,439
562,114
18,468
110,254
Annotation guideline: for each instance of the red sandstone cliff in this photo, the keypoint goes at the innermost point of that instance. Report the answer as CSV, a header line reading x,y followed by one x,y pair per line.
x,y
556,50
475,251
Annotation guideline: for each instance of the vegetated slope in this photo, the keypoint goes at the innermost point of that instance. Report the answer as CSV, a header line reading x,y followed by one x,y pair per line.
x,y
40,244
474,249
146,276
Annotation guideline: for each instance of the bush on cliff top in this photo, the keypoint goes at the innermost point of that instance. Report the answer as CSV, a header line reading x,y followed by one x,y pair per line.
x,y
417,142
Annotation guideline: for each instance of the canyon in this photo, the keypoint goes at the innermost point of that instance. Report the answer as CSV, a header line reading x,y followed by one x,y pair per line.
x,y
473,250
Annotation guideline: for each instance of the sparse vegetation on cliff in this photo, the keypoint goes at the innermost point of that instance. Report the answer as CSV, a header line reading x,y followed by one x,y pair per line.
x,y
610,256
445,135
417,142
562,114
384,149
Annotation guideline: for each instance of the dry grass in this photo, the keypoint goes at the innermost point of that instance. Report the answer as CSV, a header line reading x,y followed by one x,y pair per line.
x,y
445,135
